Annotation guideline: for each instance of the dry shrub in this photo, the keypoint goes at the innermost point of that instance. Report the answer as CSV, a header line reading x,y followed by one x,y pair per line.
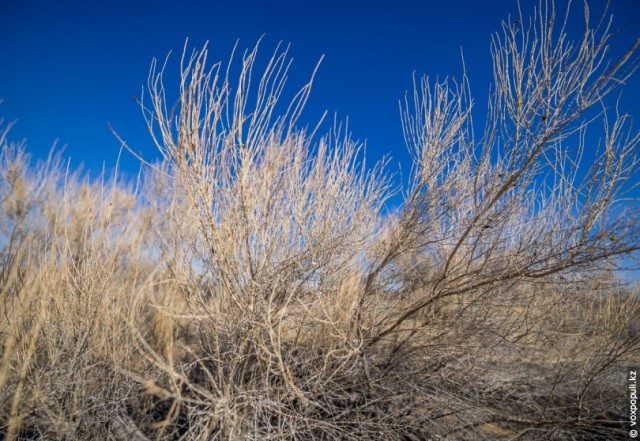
x,y
253,287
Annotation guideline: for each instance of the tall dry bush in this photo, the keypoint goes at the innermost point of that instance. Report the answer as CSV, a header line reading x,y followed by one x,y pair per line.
x,y
249,286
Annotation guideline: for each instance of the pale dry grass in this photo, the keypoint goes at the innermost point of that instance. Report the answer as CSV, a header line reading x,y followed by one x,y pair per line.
x,y
248,286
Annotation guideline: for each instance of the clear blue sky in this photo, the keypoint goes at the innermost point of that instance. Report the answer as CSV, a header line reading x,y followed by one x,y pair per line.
x,y
70,68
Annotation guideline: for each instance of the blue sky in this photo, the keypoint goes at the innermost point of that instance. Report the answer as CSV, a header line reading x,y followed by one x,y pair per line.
x,y
70,68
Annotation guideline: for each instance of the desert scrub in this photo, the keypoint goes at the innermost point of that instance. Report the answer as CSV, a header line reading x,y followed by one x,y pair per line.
x,y
251,284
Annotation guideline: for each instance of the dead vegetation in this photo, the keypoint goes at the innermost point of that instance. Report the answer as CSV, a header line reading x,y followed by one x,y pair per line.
x,y
248,287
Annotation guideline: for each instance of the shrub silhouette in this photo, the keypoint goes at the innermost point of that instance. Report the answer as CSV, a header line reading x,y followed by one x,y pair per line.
x,y
249,286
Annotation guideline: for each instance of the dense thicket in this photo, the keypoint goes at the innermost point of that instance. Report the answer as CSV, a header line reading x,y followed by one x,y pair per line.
x,y
251,286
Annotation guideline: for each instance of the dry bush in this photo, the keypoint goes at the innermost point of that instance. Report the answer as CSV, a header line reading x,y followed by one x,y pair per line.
x,y
250,286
